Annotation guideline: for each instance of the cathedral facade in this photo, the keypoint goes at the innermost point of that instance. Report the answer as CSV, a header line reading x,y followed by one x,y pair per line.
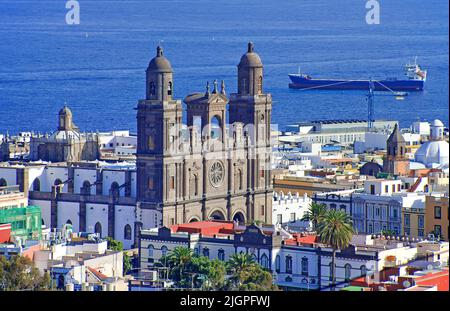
x,y
210,167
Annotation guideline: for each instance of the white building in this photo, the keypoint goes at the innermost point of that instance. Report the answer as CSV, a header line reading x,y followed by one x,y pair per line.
x,y
288,210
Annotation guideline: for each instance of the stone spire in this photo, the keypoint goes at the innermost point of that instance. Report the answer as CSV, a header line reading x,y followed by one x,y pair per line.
x,y
222,88
208,92
216,84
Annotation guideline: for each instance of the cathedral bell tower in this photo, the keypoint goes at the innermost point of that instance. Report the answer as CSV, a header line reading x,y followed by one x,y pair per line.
x,y
253,108
396,162
159,119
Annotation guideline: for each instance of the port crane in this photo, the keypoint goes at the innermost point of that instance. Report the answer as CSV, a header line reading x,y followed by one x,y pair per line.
x,y
370,100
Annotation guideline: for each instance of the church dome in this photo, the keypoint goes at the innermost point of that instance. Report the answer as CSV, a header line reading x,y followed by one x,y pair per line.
x,y
250,59
437,123
159,63
433,153
65,111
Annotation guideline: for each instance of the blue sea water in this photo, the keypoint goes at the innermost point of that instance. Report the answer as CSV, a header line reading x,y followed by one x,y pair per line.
x,y
98,67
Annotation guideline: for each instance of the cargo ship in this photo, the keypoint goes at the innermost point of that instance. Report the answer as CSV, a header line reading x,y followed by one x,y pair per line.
x,y
415,81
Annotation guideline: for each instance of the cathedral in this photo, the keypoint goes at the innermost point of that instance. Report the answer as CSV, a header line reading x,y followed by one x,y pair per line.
x,y
208,167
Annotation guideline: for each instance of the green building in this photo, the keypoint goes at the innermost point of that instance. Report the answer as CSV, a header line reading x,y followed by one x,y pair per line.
x,y
25,222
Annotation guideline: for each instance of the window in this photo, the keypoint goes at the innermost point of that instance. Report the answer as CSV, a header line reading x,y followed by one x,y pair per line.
x,y
407,231
98,229
407,218
377,211
292,217
343,208
3,182
260,81
278,264
348,272
69,222
114,190
420,232
221,255
152,88
333,206
372,189
261,173
386,189
86,188
150,248
437,230
164,250
288,264
169,89
437,212
262,210
37,185
206,252
172,182
127,232
265,261
363,270
370,228
305,266
57,182
420,221
151,184
399,188
279,219
395,214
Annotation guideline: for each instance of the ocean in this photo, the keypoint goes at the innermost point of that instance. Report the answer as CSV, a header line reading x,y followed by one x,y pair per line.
x,y
98,67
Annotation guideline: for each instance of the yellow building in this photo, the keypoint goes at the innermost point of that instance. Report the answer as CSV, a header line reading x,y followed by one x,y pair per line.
x,y
437,216
413,223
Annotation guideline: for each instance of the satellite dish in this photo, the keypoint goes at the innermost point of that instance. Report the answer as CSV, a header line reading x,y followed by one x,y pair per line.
x,y
406,284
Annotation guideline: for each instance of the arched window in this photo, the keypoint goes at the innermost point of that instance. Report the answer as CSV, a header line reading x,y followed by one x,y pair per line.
x,y
216,130
278,264
363,270
152,88
342,207
98,229
151,249
114,190
221,254
305,268
239,179
195,185
3,182
254,257
206,252
265,261
348,272
260,82
288,264
127,232
86,188
69,222
37,185
164,250
57,182
332,206
169,88
42,222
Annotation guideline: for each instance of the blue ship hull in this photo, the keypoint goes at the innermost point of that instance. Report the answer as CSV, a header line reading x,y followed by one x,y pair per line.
x,y
302,82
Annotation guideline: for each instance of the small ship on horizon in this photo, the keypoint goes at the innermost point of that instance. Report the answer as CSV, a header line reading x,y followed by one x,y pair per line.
x,y
415,81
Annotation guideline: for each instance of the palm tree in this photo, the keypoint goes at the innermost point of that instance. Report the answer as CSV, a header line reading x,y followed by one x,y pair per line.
x,y
315,214
335,230
179,258
238,264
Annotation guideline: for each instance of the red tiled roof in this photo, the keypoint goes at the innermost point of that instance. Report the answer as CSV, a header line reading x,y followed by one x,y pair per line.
x,y
206,227
302,239
441,279
97,273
